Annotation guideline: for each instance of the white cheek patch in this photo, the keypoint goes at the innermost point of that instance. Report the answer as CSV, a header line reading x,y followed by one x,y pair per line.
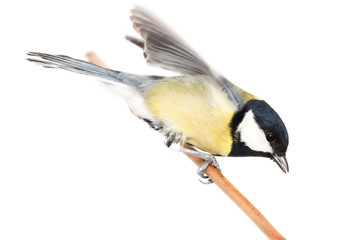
x,y
252,135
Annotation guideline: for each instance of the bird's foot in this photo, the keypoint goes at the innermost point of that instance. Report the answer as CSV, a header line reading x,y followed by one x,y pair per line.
x,y
174,141
201,170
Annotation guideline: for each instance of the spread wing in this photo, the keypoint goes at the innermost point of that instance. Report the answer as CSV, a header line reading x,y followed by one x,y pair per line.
x,y
163,48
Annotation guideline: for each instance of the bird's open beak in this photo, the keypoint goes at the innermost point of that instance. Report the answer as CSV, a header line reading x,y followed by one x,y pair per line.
x,y
281,162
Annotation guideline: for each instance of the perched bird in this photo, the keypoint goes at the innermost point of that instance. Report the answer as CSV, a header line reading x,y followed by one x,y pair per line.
x,y
200,108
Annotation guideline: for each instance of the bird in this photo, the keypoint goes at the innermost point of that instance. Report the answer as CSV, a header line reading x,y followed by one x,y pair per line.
x,y
198,108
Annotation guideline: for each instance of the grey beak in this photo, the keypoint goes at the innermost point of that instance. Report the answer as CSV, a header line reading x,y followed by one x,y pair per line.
x,y
281,162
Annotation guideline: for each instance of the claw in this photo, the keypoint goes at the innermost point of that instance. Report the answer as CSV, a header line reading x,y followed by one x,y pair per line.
x,y
201,173
209,181
216,164
210,161
209,158
201,170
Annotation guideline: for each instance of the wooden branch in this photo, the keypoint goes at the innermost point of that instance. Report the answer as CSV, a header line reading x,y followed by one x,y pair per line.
x,y
239,199
229,189
93,58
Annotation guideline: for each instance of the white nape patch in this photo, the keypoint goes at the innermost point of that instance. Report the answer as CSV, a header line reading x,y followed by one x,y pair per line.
x,y
132,98
252,135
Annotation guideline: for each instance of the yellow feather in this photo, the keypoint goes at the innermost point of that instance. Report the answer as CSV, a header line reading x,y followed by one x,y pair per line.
x,y
245,95
197,108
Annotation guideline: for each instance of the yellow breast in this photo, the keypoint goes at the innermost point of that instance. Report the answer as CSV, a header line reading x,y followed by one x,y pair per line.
x,y
195,107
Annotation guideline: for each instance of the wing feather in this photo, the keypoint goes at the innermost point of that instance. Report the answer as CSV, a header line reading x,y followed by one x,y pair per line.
x,y
164,49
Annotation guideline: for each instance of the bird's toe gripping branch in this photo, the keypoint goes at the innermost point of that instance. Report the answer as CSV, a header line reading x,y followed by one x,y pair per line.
x,y
174,141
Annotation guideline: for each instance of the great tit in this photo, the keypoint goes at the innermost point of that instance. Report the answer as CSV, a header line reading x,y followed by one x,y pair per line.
x,y
200,108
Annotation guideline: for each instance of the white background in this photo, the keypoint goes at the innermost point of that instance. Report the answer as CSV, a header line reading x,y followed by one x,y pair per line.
x,y
75,164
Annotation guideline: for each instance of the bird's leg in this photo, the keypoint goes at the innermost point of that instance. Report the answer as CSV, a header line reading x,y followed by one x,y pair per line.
x,y
174,141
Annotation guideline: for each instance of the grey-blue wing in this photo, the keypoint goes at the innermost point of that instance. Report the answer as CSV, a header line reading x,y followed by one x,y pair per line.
x,y
163,48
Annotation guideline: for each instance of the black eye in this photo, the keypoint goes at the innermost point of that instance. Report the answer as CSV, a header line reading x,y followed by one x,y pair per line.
x,y
270,137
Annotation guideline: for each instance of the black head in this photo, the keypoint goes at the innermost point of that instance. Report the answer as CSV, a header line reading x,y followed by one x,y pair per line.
x,y
258,130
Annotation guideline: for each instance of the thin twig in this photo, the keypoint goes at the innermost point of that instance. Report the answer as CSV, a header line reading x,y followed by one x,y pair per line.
x,y
93,58
224,184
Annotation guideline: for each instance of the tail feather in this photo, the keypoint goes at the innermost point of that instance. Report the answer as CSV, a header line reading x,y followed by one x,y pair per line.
x,y
75,65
